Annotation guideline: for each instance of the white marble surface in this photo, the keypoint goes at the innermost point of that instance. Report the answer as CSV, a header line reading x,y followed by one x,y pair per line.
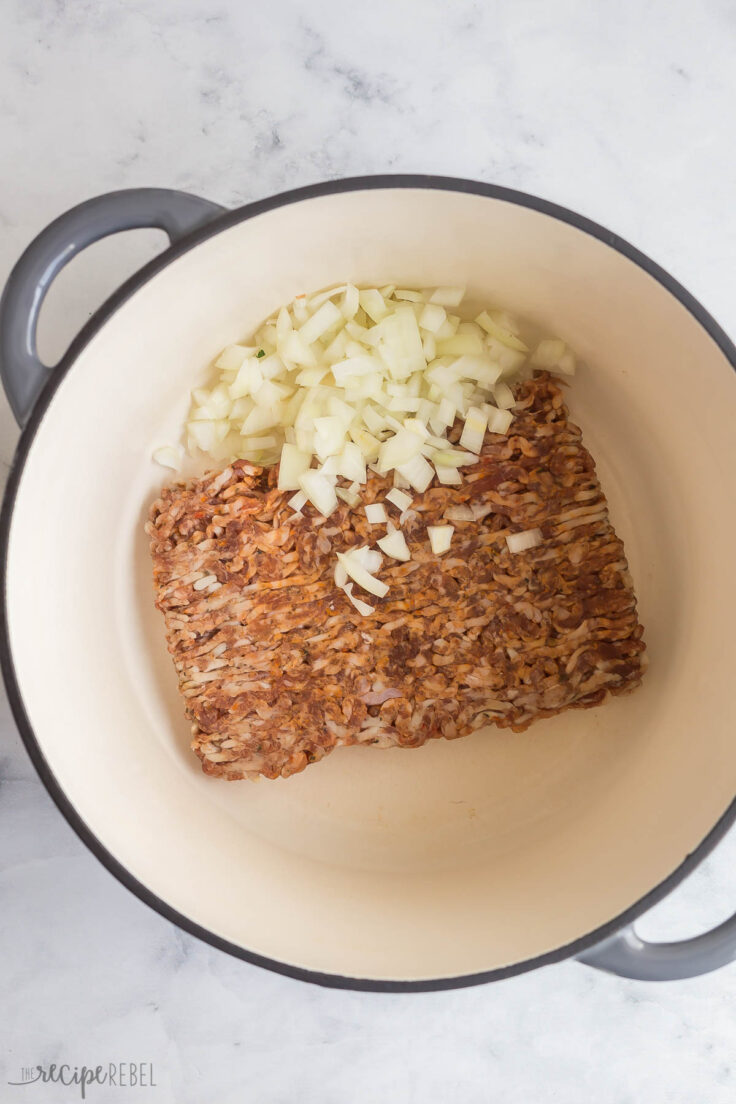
x,y
622,111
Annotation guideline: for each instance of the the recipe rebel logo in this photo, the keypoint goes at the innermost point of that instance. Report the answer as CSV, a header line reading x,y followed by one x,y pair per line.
x,y
118,1075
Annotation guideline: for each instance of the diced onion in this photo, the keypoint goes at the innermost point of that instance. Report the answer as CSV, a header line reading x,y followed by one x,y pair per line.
x,y
362,607
399,499
341,575
499,420
297,501
432,317
169,456
474,430
548,352
375,512
449,476
454,458
362,577
440,537
504,396
351,463
319,491
520,542
447,296
232,356
323,319
349,379
394,544
350,497
500,333
418,472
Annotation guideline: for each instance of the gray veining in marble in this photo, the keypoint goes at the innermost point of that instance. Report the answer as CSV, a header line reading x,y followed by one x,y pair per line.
x,y
623,111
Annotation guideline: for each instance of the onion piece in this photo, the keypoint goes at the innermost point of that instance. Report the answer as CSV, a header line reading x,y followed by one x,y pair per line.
x,y
341,575
503,396
432,317
319,491
329,436
440,538
548,352
504,336
398,450
418,471
323,319
394,544
351,498
362,607
232,356
362,577
521,542
350,303
248,379
566,364
297,501
448,476
399,499
373,304
168,456
474,430
447,296
498,420
460,344
375,513
454,458
351,463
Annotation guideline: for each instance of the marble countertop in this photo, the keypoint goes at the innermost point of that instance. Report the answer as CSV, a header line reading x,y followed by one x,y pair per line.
x,y
620,111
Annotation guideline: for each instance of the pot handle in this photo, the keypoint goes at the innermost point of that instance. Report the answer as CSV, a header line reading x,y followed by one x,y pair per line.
x,y
23,374
629,956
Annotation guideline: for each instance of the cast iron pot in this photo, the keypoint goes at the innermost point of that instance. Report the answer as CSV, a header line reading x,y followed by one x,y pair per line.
x,y
460,862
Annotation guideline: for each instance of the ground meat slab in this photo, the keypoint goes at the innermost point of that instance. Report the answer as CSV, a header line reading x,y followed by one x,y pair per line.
x,y
276,667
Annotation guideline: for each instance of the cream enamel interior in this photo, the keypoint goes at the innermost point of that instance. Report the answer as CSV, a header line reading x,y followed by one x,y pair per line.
x,y
459,857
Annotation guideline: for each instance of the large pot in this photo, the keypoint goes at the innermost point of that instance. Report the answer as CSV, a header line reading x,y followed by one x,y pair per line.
x,y
461,862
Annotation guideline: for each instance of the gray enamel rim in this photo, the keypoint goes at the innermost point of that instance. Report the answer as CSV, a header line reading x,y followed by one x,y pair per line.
x,y
188,220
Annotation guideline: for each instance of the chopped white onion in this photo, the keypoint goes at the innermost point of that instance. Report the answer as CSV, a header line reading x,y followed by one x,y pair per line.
x,y
375,512
440,538
418,472
503,396
350,497
169,456
447,296
353,378
399,499
297,501
394,544
449,476
520,542
323,319
360,575
351,463
500,333
454,458
498,420
341,575
548,352
362,607
319,491
474,430
432,317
